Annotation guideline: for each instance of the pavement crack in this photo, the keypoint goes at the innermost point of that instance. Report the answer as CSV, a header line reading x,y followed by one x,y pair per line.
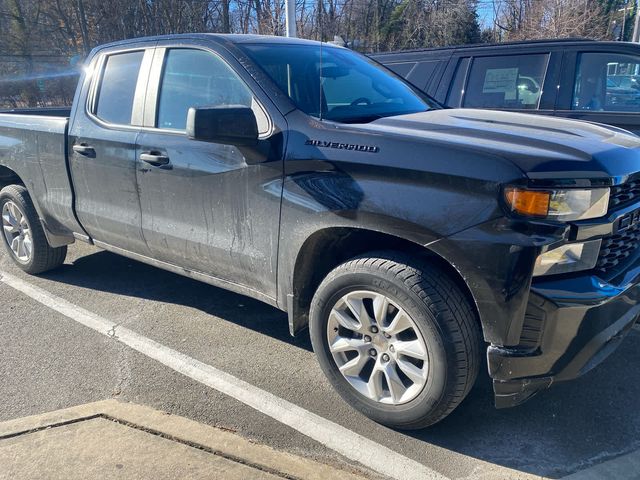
x,y
123,372
598,459
111,333
123,366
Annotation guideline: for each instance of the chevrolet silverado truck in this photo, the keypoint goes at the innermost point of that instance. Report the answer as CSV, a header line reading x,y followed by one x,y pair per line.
x,y
409,238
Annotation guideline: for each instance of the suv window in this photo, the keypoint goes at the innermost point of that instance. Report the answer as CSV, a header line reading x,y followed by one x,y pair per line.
x,y
507,81
401,69
118,87
607,82
195,78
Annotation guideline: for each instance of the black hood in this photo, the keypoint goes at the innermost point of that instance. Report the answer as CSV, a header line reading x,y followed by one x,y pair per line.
x,y
543,147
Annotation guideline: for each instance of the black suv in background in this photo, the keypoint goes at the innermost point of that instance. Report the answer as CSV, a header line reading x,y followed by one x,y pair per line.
x,y
581,79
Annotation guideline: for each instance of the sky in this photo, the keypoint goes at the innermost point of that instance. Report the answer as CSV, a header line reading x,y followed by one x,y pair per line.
x,y
485,13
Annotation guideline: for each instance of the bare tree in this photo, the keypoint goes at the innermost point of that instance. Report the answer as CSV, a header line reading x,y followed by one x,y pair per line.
x,y
66,30
532,19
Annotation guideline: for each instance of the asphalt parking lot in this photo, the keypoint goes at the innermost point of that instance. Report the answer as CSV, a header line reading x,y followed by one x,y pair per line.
x,y
49,361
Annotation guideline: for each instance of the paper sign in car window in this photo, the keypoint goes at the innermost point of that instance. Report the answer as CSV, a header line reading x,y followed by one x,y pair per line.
x,y
501,80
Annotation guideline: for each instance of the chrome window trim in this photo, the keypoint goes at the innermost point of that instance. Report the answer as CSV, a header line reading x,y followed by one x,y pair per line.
x,y
137,108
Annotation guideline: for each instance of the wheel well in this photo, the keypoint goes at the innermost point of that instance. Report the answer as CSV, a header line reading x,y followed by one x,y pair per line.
x,y
328,248
9,177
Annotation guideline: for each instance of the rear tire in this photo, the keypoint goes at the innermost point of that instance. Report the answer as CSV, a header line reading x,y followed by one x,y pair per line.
x,y
437,320
23,235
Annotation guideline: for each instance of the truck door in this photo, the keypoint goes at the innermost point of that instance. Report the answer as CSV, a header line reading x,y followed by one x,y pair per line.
x,y
102,153
206,207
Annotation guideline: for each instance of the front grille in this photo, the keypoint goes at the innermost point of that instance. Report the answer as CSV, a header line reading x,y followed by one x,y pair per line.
x,y
623,195
617,248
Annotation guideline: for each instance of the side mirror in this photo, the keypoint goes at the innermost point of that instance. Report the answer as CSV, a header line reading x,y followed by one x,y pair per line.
x,y
229,125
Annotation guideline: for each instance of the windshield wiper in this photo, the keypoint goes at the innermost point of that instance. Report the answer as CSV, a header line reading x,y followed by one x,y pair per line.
x,y
358,119
370,117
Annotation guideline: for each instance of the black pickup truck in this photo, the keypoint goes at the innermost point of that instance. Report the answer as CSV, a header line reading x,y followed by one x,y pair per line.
x,y
410,238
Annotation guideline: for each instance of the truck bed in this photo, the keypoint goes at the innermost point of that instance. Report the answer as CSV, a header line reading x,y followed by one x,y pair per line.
x,y
33,147
43,111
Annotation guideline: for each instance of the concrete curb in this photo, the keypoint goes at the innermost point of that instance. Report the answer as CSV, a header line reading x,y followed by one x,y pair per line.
x,y
182,430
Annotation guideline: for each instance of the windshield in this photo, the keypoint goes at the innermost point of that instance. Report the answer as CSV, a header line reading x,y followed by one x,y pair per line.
x,y
342,85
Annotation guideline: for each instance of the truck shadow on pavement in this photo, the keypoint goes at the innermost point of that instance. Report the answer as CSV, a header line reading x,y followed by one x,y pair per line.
x,y
107,272
565,429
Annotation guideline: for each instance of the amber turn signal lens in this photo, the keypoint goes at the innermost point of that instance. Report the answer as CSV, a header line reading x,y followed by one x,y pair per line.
x,y
528,202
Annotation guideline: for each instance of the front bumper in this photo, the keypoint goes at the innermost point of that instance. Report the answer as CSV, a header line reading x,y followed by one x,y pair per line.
x,y
571,325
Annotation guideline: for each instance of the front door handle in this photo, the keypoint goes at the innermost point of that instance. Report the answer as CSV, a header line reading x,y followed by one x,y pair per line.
x,y
155,159
84,149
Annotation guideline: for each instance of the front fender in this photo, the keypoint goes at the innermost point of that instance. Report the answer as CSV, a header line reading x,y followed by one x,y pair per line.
x,y
320,197
496,261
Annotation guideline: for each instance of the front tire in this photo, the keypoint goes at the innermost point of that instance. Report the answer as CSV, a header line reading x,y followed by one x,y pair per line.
x,y
397,338
23,235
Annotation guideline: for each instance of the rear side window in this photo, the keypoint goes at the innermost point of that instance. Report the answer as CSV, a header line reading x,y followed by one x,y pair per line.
x,y
401,69
118,87
421,75
508,81
607,82
195,78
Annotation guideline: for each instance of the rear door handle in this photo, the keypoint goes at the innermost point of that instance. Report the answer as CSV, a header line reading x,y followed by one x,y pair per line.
x,y
84,149
155,159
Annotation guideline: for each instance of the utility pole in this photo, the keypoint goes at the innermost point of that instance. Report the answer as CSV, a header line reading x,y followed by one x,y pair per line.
x,y
290,17
636,25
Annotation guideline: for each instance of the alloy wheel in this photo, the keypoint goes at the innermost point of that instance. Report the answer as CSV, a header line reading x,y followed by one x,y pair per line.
x,y
17,231
377,347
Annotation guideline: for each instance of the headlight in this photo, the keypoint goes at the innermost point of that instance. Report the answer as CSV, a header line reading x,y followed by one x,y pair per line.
x,y
566,205
568,258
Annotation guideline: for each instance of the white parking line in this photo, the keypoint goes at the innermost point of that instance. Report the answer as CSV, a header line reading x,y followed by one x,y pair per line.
x,y
344,441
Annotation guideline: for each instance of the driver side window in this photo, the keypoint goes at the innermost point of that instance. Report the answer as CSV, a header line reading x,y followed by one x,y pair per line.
x,y
197,78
